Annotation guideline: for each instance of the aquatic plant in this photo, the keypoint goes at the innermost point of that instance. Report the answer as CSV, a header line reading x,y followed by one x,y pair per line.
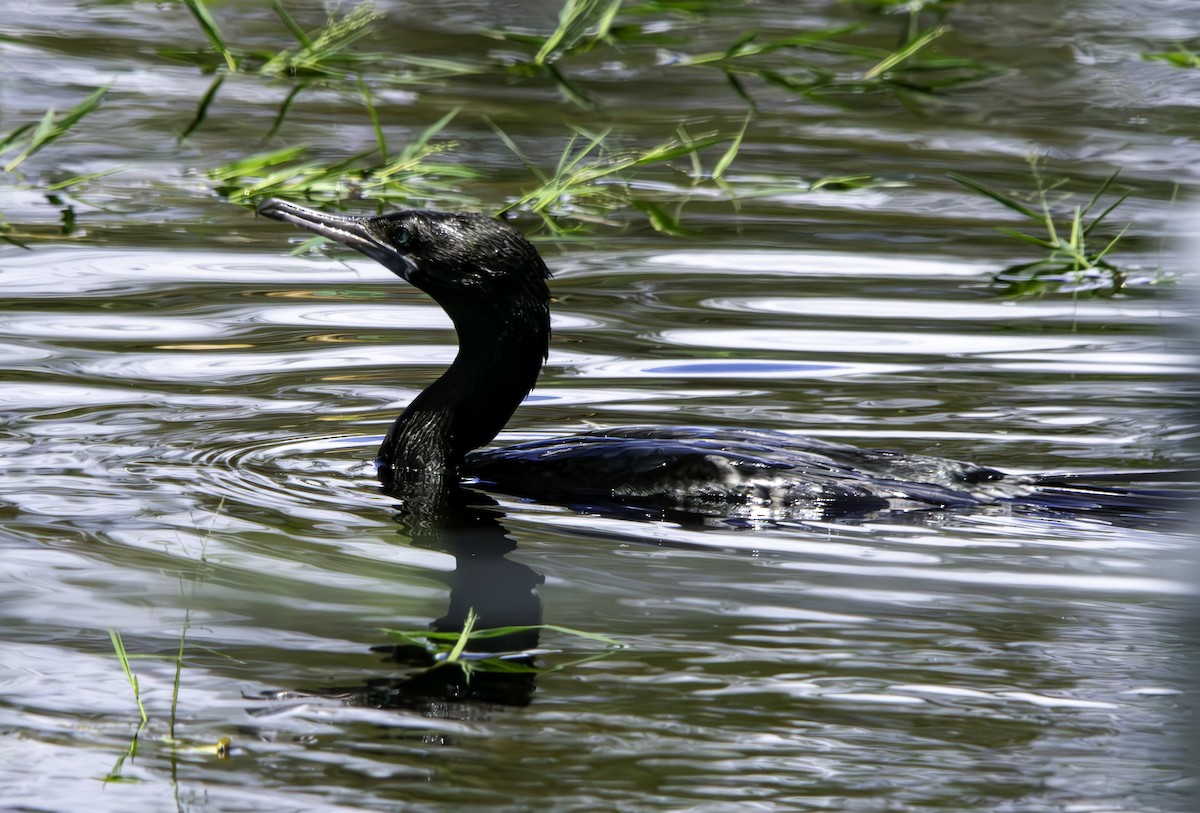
x,y
591,182
131,750
1075,259
319,57
1181,57
789,62
452,648
30,138
411,175
222,746
582,24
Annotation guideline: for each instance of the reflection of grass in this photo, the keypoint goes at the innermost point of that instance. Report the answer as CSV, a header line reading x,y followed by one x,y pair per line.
x,y
1073,253
451,648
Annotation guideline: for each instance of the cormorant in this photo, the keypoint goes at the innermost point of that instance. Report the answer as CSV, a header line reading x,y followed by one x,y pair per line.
x,y
491,281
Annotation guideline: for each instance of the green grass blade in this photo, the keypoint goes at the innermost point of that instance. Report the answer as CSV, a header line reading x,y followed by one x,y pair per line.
x,y
1104,215
591,636
49,130
461,644
421,638
737,47
1077,230
515,150
82,179
740,89
123,657
178,672
663,221
374,114
574,20
202,109
43,129
297,31
905,53
10,139
570,91
496,632
1100,192
731,153
1002,199
1028,238
253,164
277,122
209,26
1111,244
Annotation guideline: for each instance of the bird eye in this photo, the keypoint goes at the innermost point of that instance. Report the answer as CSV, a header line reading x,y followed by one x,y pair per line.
x,y
401,236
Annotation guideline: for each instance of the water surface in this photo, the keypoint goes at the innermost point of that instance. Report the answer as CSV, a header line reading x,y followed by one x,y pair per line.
x,y
189,416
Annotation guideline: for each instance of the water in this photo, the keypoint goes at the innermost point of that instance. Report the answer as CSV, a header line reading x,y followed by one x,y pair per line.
x,y
189,415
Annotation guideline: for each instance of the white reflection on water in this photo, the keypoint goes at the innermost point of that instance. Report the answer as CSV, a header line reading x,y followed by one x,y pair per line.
x,y
803,264
1024,311
882,342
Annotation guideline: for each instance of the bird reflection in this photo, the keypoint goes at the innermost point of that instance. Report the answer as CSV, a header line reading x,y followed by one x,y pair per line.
x,y
498,591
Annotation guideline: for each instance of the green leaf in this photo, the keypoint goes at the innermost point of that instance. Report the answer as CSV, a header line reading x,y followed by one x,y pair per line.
x,y
574,20
123,657
50,130
731,153
661,220
905,53
297,31
209,26
202,109
1028,238
1002,199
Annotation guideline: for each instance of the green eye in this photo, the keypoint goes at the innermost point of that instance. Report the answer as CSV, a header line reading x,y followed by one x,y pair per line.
x,y
401,236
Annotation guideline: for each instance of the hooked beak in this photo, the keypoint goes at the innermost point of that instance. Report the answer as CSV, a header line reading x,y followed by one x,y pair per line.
x,y
351,231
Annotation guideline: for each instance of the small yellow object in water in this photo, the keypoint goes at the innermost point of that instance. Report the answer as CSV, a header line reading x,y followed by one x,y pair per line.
x,y
203,346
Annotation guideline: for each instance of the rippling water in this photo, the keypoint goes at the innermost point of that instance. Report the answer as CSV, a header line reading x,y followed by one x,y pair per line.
x,y
188,417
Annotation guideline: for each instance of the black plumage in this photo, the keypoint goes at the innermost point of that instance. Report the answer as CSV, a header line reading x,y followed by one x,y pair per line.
x,y
491,281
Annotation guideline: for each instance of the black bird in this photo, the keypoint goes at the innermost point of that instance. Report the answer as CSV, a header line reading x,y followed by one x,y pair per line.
x,y
491,281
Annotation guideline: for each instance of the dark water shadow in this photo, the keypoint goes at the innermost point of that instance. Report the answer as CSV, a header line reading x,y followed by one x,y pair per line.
x,y
497,590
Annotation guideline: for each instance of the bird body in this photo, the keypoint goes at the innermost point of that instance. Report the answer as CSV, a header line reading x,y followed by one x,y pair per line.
x,y
491,281
697,468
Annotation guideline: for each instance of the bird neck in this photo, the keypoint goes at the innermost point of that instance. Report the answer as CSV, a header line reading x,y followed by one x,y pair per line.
x,y
497,365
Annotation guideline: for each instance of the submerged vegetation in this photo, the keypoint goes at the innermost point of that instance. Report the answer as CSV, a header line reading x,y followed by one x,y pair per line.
x,y
452,649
